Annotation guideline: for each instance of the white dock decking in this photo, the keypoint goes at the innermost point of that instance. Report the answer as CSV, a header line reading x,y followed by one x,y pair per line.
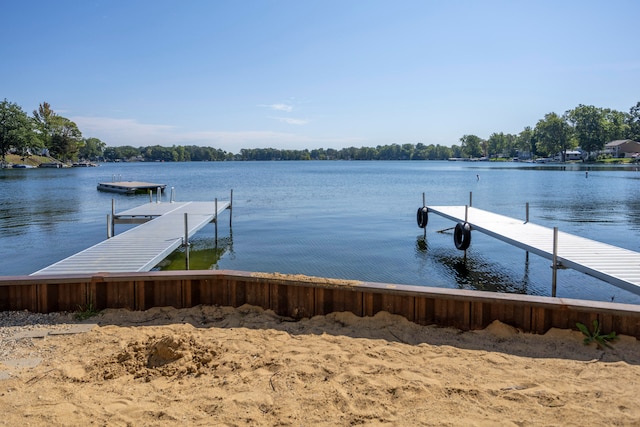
x,y
617,266
144,246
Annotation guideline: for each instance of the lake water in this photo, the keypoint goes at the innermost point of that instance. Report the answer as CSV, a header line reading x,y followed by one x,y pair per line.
x,y
350,220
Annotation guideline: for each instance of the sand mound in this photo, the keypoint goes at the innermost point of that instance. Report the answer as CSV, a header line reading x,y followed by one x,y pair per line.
x,y
160,356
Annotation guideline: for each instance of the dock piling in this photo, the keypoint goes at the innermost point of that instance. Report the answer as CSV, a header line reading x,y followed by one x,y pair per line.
x,y
527,211
424,204
173,195
113,217
215,219
186,241
230,208
554,260
158,195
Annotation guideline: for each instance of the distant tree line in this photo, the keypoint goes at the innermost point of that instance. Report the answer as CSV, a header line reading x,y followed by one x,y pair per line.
x,y
585,126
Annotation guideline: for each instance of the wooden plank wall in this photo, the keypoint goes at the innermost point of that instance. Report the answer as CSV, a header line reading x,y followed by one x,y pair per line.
x,y
298,297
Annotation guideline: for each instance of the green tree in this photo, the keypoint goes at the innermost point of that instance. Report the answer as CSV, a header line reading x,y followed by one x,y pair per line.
x,y
589,127
497,145
59,134
553,135
471,145
91,149
633,121
525,141
616,125
124,152
43,118
16,129
66,139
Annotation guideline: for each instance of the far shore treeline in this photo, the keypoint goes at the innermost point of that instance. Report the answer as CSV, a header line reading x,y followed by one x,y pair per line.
x,y
586,126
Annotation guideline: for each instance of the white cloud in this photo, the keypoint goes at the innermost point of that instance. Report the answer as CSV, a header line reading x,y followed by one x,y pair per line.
x,y
292,121
278,107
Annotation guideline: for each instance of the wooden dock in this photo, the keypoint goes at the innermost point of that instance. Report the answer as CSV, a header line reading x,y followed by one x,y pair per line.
x,y
617,266
161,231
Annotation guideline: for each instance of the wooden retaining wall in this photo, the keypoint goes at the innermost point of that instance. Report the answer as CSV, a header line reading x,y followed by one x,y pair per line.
x,y
301,296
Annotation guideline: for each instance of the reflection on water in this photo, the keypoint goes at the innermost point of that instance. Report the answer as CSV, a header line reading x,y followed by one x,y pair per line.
x,y
204,254
472,272
421,244
477,274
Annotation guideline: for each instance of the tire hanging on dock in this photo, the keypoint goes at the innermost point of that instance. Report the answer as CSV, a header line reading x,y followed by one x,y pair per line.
x,y
462,236
423,217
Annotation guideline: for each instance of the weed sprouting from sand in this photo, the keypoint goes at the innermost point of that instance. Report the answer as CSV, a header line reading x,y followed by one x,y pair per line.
x,y
601,340
86,311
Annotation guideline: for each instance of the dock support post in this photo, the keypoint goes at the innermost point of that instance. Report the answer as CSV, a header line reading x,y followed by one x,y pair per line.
x,y
555,262
424,204
186,241
158,195
108,226
215,219
150,196
173,195
231,208
527,209
470,199
113,217
466,213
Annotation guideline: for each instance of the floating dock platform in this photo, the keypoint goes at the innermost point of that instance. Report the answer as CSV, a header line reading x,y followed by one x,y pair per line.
x,y
130,187
163,228
617,266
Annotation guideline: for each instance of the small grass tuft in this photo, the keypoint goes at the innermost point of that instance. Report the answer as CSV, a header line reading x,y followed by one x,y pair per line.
x,y
601,340
86,312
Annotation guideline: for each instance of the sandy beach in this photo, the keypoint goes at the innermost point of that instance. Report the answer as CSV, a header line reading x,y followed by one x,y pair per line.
x,y
246,366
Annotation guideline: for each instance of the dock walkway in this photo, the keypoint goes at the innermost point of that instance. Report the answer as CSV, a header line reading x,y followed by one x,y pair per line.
x,y
617,266
141,248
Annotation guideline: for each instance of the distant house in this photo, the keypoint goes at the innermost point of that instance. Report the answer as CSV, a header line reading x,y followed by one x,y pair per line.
x,y
623,148
570,155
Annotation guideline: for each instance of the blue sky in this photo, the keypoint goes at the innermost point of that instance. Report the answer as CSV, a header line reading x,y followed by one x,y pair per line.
x,y
315,74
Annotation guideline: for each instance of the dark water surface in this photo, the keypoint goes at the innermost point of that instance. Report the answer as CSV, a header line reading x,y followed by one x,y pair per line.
x,y
351,220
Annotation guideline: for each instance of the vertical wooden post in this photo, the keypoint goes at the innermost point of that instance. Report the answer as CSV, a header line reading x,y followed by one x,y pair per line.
x,y
108,226
466,213
113,217
230,208
186,241
215,219
158,195
470,198
555,262
150,196
424,204
527,220
173,194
